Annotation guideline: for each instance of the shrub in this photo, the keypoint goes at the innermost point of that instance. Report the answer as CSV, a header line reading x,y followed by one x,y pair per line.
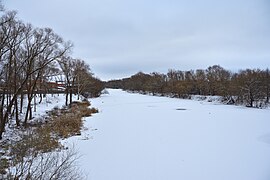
x,y
56,165
66,125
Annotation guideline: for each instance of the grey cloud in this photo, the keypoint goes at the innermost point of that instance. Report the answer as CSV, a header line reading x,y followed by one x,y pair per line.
x,y
121,37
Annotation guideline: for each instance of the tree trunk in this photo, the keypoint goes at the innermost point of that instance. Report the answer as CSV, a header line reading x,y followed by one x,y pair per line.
x,y
67,96
27,110
40,98
21,105
2,121
35,103
251,99
17,113
70,96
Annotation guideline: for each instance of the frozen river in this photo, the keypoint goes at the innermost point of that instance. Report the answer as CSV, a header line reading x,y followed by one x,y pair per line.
x,y
139,137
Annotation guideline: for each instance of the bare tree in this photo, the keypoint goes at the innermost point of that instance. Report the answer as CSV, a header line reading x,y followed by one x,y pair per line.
x,y
24,53
79,79
250,86
201,82
67,69
11,37
266,84
41,49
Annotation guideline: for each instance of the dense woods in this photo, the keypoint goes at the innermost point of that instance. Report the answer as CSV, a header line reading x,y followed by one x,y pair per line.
x,y
249,87
33,63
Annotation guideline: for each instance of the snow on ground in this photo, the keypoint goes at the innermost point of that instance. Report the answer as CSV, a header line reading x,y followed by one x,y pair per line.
x,y
47,104
139,137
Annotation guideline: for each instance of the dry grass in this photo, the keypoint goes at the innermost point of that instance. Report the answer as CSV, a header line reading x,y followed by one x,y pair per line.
x,y
86,112
68,122
4,164
66,125
33,143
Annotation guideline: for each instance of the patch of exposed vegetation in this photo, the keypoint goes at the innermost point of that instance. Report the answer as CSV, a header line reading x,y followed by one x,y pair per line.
x,y
3,165
68,122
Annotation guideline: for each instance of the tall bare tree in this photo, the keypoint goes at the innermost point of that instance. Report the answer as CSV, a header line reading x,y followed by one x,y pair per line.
x,y
24,53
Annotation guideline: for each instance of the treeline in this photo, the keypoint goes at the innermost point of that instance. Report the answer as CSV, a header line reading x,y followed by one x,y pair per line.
x,y
250,87
29,58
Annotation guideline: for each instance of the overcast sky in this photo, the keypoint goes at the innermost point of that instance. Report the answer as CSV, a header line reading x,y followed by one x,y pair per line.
x,y
121,37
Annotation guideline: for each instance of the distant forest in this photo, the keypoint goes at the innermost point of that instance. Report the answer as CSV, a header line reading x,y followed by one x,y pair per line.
x,y
250,87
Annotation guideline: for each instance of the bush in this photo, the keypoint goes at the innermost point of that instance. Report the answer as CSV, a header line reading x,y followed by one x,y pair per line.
x,y
66,125
51,165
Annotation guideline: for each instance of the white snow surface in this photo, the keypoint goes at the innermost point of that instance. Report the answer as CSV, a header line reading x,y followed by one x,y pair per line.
x,y
48,103
140,137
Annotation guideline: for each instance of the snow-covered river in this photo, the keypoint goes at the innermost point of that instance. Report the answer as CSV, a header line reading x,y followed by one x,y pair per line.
x,y
139,137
